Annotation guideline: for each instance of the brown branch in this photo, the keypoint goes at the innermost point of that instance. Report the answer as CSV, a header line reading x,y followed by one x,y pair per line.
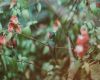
x,y
72,58
74,64
45,44
32,38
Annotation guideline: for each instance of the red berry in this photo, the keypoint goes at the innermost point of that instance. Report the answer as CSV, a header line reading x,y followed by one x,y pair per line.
x,y
79,50
98,4
14,43
2,40
82,39
14,25
82,43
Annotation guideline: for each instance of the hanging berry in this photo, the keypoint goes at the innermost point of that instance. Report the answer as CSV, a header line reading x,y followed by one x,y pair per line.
x,y
14,25
82,45
12,43
83,38
98,3
2,40
79,49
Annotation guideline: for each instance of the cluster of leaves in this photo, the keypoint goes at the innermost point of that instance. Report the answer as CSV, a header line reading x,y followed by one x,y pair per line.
x,y
41,50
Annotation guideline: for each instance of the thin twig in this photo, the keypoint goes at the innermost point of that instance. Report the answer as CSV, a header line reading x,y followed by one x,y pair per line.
x,y
70,50
32,38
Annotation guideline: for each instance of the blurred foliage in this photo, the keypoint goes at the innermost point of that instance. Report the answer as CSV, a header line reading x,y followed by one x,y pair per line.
x,y
37,56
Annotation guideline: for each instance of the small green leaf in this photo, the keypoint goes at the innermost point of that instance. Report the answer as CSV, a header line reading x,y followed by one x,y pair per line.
x,y
25,14
31,23
4,62
27,31
46,50
31,66
22,63
39,7
47,67
23,3
1,10
9,35
89,25
33,48
0,26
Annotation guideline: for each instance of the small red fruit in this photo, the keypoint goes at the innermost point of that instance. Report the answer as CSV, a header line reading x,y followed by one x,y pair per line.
x,y
79,50
98,4
84,37
12,43
14,25
2,40
82,43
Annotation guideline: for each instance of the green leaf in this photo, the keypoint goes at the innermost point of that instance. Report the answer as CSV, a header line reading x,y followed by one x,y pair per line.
x,y
25,14
98,37
4,62
26,31
9,35
45,50
98,33
22,63
93,6
71,34
23,3
47,67
11,74
89,25
0,26
39,7
31,66
1,10
5,78
33,48
31,23
95,10
14,11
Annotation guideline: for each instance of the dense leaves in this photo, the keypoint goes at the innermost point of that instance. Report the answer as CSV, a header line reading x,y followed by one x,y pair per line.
x,y
39,39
